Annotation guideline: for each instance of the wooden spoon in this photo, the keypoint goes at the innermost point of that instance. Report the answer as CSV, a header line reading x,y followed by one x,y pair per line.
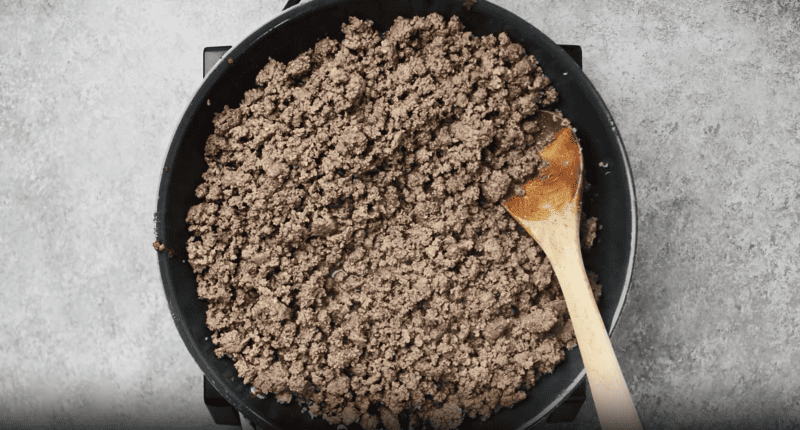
x,y
550,212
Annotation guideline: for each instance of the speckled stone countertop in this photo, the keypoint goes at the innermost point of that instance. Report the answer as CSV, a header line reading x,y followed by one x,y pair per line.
x,y
706,96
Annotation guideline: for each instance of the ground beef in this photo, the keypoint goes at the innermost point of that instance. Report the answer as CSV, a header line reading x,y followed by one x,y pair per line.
x,y
351,241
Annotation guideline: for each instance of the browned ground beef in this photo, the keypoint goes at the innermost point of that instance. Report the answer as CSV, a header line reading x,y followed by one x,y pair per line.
x,y
351,242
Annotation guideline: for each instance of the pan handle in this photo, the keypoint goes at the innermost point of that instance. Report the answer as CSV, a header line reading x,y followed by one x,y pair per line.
x,y
290,3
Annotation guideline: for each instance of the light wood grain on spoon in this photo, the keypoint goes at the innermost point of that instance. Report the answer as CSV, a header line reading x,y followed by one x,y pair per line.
x,y
550,212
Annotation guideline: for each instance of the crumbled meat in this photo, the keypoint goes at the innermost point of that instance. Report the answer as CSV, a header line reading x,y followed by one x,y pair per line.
x,y
284,397
449,416
588,231
350,241
159,246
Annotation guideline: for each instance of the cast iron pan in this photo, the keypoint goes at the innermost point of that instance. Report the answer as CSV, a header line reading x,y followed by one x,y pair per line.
x,y
611,197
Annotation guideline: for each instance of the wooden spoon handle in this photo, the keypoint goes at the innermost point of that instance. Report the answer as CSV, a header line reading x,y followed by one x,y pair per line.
x,y
615,408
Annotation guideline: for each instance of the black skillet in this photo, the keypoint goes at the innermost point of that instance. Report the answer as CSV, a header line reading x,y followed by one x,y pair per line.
x,y
611,197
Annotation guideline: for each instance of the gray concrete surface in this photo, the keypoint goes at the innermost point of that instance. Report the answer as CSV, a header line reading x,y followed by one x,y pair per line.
x,y
705,94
